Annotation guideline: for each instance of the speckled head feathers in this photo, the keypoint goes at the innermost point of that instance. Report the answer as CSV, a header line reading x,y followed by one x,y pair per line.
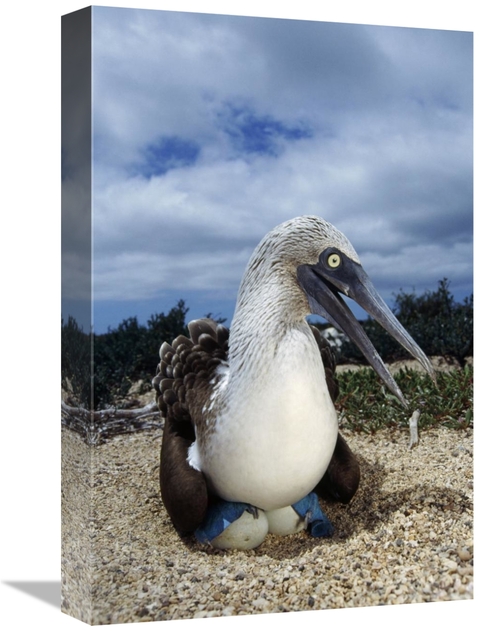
x,y
269,286
299,241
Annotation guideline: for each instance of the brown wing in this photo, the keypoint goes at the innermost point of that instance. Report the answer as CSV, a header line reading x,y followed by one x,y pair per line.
x,y
341,479
184,373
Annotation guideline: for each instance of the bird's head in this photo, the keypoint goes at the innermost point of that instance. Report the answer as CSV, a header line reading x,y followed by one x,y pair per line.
x,y
327,266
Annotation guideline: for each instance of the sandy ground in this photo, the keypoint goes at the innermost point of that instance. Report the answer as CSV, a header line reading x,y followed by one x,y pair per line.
x,y
406,537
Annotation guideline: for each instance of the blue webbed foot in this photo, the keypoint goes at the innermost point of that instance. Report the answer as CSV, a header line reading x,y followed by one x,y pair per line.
x,y
233,525
317,523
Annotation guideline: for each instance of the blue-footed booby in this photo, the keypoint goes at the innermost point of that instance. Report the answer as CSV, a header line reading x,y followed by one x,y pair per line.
x,y
250,424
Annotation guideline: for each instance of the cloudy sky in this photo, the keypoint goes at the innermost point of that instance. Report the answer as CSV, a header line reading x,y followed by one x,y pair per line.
x,y
210,130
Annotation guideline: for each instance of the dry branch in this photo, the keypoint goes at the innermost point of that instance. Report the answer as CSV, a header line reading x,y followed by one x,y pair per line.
x,y
97,425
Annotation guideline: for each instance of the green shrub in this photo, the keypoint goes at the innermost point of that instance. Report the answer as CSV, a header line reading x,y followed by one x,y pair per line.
x,y
365,404
129,353
75,362
121,356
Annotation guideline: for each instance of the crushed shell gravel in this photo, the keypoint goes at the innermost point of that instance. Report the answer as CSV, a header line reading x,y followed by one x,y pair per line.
x,y
406,537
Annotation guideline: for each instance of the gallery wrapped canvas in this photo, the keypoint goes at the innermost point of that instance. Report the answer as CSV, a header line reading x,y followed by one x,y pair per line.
x,y
235,430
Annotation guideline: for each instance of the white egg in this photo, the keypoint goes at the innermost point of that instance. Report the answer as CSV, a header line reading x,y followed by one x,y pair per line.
x,y
245,533
285,521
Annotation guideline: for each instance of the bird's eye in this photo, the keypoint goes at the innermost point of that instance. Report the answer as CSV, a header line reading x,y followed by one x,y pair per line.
x,y
333,260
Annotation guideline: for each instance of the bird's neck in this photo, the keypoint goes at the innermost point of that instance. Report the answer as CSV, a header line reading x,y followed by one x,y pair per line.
x,y
265,314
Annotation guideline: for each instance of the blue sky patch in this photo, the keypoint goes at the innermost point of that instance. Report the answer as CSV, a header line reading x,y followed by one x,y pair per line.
x,y
169,152
251,133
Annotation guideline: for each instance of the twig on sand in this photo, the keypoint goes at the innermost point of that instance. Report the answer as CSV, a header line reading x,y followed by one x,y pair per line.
x,y
414,429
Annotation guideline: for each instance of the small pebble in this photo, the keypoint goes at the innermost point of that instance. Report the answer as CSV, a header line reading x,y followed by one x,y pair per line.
x,y
450,564
464,554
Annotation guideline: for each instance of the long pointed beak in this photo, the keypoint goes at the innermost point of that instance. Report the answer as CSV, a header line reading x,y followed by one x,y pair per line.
x,y
323,288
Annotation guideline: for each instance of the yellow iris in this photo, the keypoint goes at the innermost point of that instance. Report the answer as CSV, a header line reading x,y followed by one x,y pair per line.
x,y
333,260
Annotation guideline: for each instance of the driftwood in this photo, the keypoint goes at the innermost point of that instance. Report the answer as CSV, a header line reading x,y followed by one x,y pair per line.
x,y
96,426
